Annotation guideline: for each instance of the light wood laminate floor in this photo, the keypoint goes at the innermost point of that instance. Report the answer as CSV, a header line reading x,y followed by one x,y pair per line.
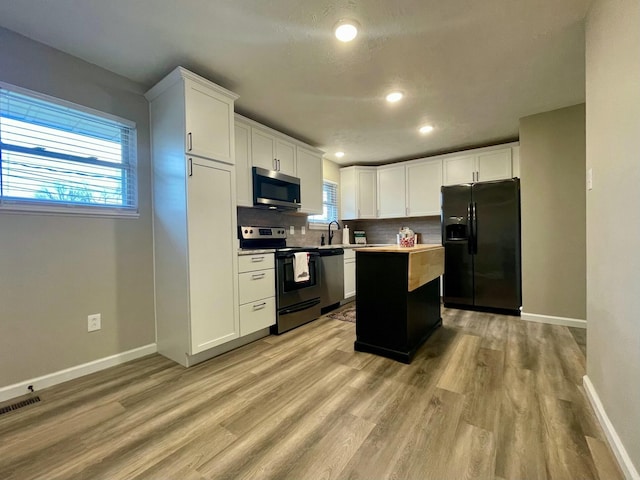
x,y
487,397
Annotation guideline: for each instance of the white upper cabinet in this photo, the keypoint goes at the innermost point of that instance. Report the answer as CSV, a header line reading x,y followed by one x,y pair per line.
x,y
244,181
358,192
367,195
459,169
515,161
272,153
424,179
309,169
198,113
286,157
209,122
263,150
260,146
478,166
391,191
495,165
412,188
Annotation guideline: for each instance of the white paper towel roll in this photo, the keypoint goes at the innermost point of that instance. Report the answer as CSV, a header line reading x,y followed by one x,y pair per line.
x,y
345,235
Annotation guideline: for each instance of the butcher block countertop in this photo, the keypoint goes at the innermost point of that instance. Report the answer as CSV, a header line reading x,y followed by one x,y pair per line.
x,y
398,249
426,261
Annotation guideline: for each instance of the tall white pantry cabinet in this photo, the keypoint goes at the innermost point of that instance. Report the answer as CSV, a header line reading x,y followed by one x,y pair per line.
x,y
194,196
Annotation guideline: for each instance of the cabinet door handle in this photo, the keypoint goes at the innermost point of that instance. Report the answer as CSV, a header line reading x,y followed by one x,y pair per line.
x,y
191,167
275,164
257,259
259,306
278,163
189,142
257,276
358,213
406,211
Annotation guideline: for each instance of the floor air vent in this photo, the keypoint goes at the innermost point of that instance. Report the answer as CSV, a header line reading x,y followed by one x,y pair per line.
x,y
16,406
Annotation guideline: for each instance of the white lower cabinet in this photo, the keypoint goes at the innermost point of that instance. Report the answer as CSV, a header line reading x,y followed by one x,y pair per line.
x,y
349,273
212,309
257,290
257,315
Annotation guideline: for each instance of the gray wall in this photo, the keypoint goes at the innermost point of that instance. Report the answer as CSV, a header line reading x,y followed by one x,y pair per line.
x,y
55,270
613,223
552,170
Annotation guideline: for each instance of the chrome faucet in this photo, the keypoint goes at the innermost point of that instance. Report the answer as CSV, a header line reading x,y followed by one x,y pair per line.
x,y
330,232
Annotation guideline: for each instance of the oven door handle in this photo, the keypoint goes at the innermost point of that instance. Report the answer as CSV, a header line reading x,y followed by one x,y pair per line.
x,y
290,255
300,306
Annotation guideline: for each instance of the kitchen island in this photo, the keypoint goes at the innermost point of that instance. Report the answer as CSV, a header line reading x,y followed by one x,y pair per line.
x,y
398,298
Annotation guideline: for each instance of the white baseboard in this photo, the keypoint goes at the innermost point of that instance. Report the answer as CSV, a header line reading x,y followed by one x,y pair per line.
x,y
18,389
567,322
628,469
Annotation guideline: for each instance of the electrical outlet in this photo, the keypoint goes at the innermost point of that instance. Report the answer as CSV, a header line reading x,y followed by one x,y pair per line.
x,y
292,230
94,322
303,230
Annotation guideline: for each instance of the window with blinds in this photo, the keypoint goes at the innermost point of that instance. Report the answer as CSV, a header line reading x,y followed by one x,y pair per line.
x,y
329,204
57,157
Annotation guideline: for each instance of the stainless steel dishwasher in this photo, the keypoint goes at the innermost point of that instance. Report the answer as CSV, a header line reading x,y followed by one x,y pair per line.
x,y
331,276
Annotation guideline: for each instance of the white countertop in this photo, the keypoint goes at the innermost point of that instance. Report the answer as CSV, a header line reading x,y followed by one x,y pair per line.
x,y
258,251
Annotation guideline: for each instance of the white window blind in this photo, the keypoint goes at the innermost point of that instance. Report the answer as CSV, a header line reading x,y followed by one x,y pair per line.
x,y
329,204
62,159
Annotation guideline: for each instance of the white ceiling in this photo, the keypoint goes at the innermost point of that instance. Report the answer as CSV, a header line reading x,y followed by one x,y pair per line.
x,y
470,68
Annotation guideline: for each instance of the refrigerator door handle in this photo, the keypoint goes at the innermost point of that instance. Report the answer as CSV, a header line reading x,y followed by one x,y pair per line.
x,y
470,225
474,227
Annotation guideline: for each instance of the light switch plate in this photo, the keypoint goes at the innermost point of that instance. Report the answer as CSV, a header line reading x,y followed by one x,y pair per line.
x,y
303,230
590,179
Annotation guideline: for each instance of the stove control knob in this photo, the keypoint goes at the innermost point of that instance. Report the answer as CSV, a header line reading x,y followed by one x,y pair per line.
x,y
250,231
246,231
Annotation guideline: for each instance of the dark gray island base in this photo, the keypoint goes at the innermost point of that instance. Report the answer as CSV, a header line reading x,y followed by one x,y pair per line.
x,y
397,299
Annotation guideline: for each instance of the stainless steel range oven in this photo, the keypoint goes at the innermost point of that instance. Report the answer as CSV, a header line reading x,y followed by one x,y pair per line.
x,y
297,303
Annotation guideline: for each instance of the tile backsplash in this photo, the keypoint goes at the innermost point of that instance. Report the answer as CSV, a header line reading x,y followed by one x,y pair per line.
x,y
385,230
377,231
275,218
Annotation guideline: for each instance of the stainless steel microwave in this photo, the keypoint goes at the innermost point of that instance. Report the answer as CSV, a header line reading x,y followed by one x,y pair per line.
x,y
275,190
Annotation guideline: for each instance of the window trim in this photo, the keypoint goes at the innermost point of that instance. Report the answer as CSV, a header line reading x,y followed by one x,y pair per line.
x,y
325,225
39,207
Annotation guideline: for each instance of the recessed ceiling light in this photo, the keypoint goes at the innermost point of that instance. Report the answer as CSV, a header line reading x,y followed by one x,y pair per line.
x,y
394,97
426,129
346,30
339,154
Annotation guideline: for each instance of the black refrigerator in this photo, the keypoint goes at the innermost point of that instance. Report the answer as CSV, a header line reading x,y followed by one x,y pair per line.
x,y
481,238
